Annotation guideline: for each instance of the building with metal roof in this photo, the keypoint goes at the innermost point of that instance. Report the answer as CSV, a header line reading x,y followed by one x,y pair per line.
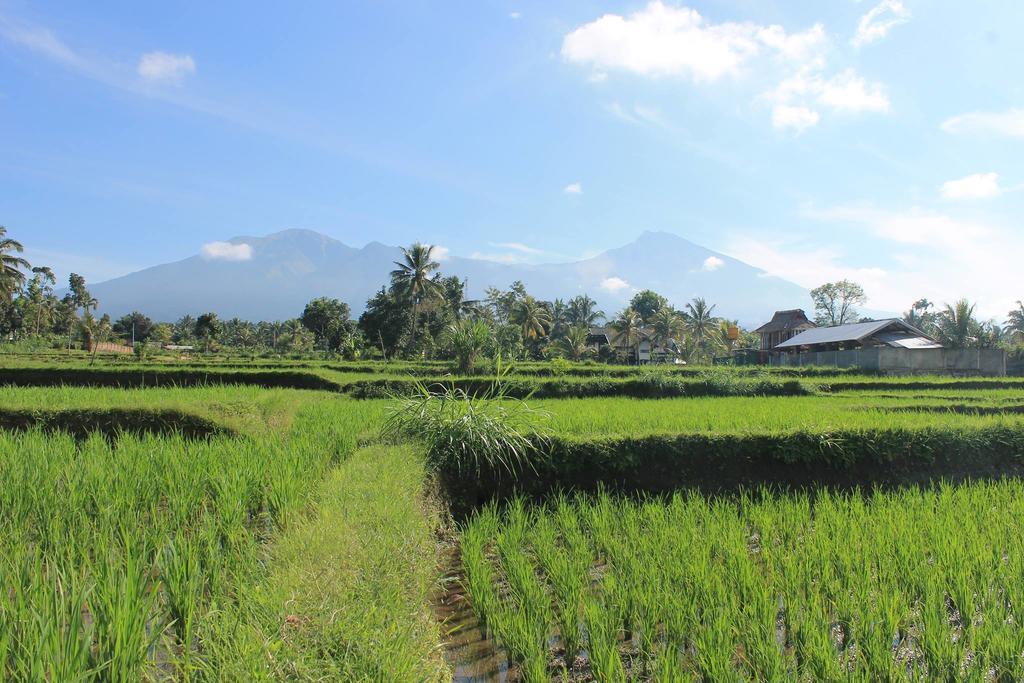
x,y
891,332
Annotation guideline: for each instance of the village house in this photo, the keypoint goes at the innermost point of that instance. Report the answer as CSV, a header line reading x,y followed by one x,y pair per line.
x,y
783,326
644,353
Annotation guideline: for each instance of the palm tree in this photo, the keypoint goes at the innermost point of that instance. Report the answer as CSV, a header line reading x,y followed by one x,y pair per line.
x,y
573,344
533,318
957,326
11,276
559,317
628,324
700,321
468,339
1015,319
413,278
667,327
583,311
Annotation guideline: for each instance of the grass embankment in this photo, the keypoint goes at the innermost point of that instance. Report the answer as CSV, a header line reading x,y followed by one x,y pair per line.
x,y
348,596
907,585
147,556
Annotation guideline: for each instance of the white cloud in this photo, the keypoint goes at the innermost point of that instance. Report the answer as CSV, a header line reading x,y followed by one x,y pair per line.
x,y
850,92
614,284
662,40
226,251
797,118
518,246
712,263
879,20
514,15
573,188
1009,123
165,67
977,186
440,253
597,77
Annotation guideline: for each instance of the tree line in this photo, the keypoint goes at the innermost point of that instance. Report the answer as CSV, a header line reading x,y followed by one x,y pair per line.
x,y
422,313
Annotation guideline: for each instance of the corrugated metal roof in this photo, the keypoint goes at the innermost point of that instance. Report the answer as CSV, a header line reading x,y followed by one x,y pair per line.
x,y
840,333
907,340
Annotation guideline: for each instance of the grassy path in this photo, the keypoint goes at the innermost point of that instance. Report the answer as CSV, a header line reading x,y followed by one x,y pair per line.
x,y
348,597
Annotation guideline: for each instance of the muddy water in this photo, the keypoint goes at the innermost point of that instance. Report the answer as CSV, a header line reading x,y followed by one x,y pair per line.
x,y
473,656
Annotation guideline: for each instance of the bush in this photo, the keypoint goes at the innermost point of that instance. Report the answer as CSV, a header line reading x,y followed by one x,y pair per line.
x,y
469,433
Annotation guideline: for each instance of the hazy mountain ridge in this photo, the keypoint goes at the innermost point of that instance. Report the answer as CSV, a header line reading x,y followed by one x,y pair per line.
x,y
287,269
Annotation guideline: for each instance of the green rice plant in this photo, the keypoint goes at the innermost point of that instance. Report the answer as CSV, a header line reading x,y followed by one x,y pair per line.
x,y
470,435
603,628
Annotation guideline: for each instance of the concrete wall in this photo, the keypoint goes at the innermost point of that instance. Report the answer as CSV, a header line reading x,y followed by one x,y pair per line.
x,y
904,361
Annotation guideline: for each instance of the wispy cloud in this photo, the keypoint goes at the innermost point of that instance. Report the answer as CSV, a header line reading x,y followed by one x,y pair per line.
x,y
226,251
518,246
977,186
879,20
165,67
573,188
1008,123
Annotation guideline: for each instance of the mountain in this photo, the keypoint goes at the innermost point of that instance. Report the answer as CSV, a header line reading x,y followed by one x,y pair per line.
x,y
272,278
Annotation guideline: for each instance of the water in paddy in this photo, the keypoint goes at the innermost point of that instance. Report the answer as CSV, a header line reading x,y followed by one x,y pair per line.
x,y
473,656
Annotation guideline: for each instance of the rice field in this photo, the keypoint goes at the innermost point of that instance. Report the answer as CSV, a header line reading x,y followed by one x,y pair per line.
x,y
298,541
918,584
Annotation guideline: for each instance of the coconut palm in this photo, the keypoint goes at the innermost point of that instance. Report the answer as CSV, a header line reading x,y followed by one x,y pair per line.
x,y
628,324
11,276
533,318
700,322
413,279
1015,320
559,317
583,311
573,344
957,327
468,339
667,327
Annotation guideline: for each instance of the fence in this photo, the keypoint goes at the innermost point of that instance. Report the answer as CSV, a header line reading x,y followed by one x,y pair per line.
x,y
903,361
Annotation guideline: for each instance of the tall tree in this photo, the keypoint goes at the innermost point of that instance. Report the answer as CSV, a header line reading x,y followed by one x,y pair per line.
x,y
647,303
559,318
413,278
701,323
583,311
667,326
206,328
628,324
134,326
957,326
42,303
327,319
11,277
835,303
1015,319
573,344
533,318
921,316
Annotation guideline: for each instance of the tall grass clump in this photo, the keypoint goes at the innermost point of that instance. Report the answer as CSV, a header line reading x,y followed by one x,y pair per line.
x,y
487,433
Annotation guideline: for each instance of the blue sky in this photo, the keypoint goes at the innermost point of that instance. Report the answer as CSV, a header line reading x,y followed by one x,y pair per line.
x,y
874,140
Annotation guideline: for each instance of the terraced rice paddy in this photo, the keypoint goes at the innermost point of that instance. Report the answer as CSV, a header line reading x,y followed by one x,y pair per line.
x,y
907,585
263,529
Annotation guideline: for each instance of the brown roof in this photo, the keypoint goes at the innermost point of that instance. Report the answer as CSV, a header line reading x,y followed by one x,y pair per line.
x,y
794,319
